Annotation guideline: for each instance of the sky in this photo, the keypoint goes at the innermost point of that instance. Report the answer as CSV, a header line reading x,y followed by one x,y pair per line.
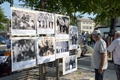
x,y
7,11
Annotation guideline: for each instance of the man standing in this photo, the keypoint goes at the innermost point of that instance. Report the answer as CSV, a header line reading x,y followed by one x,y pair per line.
x,y
99,55
114,48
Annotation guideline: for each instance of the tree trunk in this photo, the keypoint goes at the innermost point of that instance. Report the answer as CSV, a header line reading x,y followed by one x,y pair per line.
x,y
42,3
112,27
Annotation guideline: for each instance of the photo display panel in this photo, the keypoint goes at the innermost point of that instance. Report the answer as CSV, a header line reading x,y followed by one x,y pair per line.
x,y
45,23
45,49
23,53
73,37
62,26
69,64
23,21
62,48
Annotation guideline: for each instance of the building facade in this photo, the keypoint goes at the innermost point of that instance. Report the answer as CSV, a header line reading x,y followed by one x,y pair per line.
x,y
85,25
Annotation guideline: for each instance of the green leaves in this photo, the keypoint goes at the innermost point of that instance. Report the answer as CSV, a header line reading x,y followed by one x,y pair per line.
x,y
9,1
104,10
3,20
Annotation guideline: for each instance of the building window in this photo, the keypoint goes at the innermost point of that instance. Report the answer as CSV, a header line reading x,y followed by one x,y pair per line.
x,y
83,27
90,27
86,27
83,22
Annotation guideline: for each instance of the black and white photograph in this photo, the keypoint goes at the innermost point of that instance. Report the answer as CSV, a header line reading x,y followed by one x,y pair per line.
x,y
45,23
62,26
23,21
23,53
62,48
73,37
69,64
45,49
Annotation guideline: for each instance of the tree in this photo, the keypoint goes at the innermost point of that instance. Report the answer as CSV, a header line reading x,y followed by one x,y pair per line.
x,y
3,20
104,10
9,1
54,6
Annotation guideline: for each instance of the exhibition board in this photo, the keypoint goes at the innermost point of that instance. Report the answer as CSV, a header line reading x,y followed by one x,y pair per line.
x,y
35,49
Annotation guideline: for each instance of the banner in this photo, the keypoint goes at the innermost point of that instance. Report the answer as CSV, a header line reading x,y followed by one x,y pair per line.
x,y
73,37
45,23
45,49
23,22
62,26
62,48
69,64
23,53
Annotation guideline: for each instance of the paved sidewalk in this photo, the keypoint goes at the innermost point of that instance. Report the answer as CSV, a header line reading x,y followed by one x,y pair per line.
x,y
109,74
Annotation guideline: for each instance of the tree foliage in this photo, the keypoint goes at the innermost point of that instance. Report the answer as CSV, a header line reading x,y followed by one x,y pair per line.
x,y
9,1
3,20
65,7
104,10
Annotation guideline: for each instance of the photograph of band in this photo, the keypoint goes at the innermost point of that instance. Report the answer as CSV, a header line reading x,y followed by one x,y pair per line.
x,y
73,36
62,49
23,53
45,49
69,64
22,20
62,26
45,23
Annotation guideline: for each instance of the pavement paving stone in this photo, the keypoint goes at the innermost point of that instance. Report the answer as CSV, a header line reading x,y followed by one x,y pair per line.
x,y
109,74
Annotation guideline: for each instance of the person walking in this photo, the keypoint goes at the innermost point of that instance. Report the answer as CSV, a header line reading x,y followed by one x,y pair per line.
x,y
84,40
89,41
99,56
114,48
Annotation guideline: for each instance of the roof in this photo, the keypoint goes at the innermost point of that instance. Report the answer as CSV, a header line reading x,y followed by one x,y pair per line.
x,y
85,19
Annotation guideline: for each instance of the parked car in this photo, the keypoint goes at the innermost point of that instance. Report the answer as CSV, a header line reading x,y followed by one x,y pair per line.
x,y
2,40
3,45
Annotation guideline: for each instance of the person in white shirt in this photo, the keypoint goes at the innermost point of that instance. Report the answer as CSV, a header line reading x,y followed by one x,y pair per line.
x,y
114,48
99,56
8,43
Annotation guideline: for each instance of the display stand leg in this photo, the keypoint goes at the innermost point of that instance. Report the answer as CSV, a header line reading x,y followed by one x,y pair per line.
x,y
57,69
27,74
42,72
